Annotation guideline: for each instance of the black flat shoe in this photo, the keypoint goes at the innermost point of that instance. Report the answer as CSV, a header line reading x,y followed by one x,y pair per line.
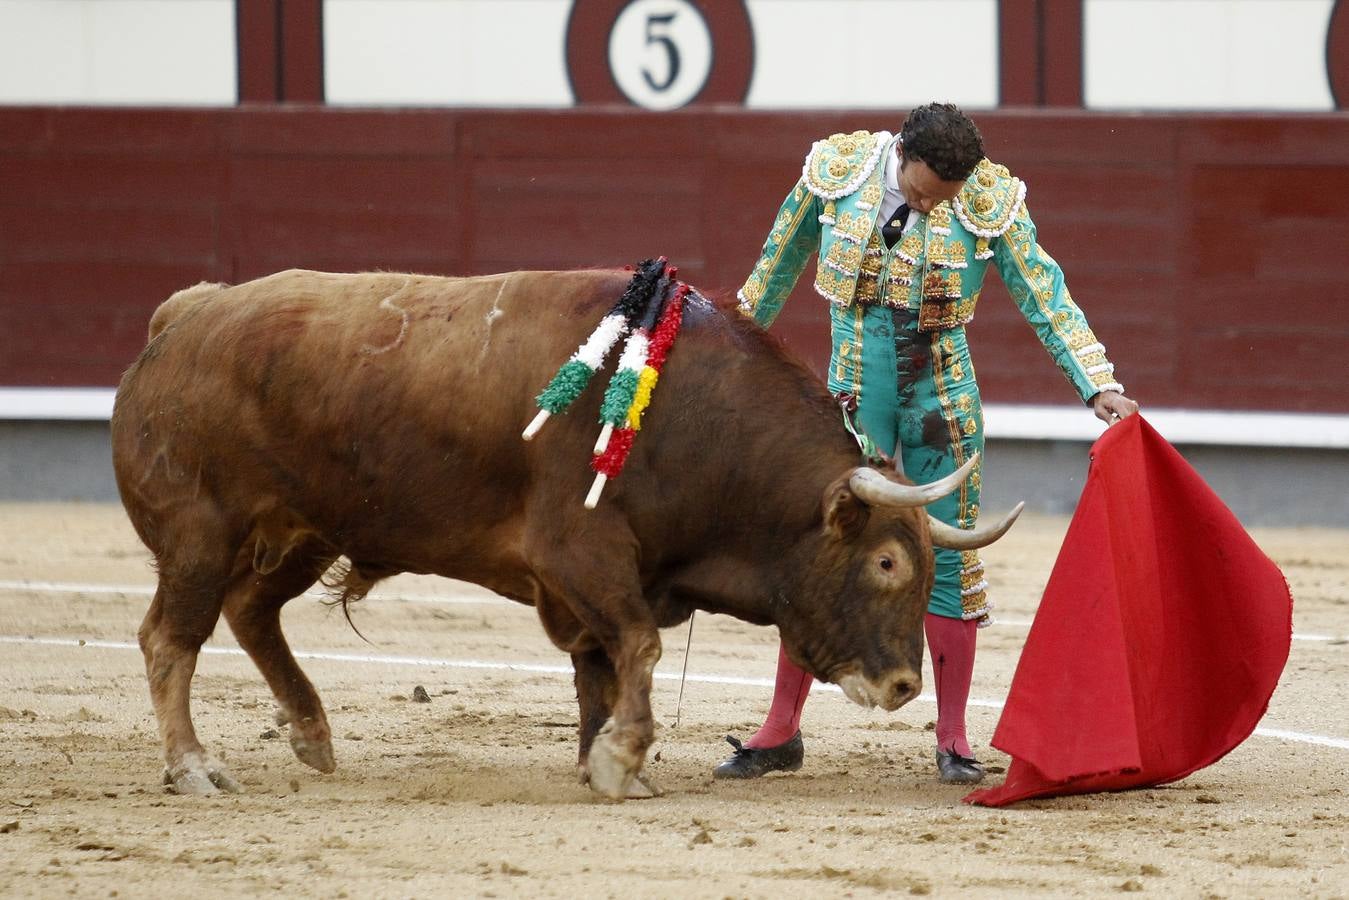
x,y
952,768
751,762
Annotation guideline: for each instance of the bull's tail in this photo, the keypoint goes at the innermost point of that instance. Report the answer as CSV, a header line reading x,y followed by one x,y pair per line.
x,y
171,309
347,582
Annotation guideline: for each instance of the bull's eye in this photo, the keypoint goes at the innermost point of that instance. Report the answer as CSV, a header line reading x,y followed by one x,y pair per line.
x,y
887,563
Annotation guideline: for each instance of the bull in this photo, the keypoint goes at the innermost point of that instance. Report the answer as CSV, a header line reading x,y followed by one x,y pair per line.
x,y
272,429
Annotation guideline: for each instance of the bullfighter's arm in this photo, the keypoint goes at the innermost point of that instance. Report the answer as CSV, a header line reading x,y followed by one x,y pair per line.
x,y
795,235
1036,284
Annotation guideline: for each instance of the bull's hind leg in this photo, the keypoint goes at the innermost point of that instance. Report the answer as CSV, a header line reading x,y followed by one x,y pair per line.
x,y
181,617
253,610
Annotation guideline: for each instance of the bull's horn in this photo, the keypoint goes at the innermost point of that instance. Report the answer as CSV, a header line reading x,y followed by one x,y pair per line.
x,y
953,538
876,490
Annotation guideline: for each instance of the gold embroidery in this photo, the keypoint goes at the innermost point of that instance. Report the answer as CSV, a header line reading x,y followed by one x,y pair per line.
x,y
944,401
852,226
843,258
837,166
946,254
849,357
857,366
767,265
753,289
990,200
1081,337
838,289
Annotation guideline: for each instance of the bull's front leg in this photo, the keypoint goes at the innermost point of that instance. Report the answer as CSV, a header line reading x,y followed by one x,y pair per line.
x,y
618,750
596,686
596,689
598,615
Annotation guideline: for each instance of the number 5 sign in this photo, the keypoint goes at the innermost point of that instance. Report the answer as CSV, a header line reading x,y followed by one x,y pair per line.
x,y
659,54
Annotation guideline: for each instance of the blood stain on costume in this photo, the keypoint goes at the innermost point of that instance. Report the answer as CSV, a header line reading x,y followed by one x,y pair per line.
x,y
935,430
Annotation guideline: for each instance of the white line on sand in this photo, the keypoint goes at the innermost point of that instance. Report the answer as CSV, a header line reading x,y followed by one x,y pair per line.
x,y
538,668
142,590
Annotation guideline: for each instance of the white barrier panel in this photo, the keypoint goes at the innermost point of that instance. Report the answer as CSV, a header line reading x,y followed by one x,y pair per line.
x,y
118,52
1206,54
1001,421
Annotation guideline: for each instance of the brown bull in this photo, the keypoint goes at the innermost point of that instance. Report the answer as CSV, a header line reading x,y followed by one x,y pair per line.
x,y
272,427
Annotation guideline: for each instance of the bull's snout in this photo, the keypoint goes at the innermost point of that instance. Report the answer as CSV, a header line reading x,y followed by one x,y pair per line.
x,y
890,693
903,688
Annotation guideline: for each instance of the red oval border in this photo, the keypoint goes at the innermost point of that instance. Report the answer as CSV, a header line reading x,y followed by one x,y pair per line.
x,y
1337,54
587,52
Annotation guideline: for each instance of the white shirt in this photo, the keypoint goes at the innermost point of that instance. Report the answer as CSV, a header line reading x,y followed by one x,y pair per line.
x,y
893,195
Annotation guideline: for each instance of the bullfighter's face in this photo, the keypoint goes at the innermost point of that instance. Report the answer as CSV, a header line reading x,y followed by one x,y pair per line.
x,y
923,188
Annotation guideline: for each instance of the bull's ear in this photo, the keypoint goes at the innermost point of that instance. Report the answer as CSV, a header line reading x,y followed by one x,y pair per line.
x,y
844,512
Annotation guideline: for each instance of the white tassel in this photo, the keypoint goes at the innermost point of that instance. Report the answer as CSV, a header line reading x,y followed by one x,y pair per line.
x,y
593,498
535,425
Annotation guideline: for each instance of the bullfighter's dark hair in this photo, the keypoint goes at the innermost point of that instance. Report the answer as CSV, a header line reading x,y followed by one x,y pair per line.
x,y
942,136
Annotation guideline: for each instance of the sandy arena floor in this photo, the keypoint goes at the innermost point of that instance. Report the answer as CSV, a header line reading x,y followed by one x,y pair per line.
x,y
473,793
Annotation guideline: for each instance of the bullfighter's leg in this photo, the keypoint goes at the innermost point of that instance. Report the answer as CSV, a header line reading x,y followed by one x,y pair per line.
x,y
253,609
181,617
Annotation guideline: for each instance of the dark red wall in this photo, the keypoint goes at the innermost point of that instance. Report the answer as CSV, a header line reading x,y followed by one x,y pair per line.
x,y
1208,251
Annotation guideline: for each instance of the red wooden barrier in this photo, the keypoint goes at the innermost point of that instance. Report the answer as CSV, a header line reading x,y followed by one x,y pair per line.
x,y
1208,251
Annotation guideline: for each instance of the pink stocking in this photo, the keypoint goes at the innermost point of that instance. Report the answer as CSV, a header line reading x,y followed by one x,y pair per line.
x,y
789,696
951,645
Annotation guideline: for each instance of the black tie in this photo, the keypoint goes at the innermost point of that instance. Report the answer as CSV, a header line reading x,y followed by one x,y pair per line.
x,y
894,227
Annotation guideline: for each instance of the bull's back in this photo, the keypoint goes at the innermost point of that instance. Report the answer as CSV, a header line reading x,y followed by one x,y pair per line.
x,y
342,391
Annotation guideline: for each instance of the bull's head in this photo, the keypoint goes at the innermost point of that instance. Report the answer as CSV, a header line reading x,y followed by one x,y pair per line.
x,y
864,593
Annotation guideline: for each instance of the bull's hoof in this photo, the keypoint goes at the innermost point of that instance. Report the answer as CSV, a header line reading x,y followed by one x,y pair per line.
x,y
639,789
200,775
311,741
317,754
611,773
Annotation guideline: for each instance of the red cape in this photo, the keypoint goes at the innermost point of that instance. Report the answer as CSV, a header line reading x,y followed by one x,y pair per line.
x,y
1159,639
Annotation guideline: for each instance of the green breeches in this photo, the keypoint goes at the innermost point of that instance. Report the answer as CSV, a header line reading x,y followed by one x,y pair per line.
x,y
916,393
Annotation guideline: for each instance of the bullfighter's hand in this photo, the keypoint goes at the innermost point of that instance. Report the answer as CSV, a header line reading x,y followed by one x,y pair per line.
x,y
1111,406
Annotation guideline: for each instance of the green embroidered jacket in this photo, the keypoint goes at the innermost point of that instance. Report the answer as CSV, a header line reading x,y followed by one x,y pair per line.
x,y
937,268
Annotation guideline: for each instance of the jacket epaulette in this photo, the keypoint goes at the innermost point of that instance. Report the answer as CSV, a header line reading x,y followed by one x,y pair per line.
x,y
989,202
838,165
